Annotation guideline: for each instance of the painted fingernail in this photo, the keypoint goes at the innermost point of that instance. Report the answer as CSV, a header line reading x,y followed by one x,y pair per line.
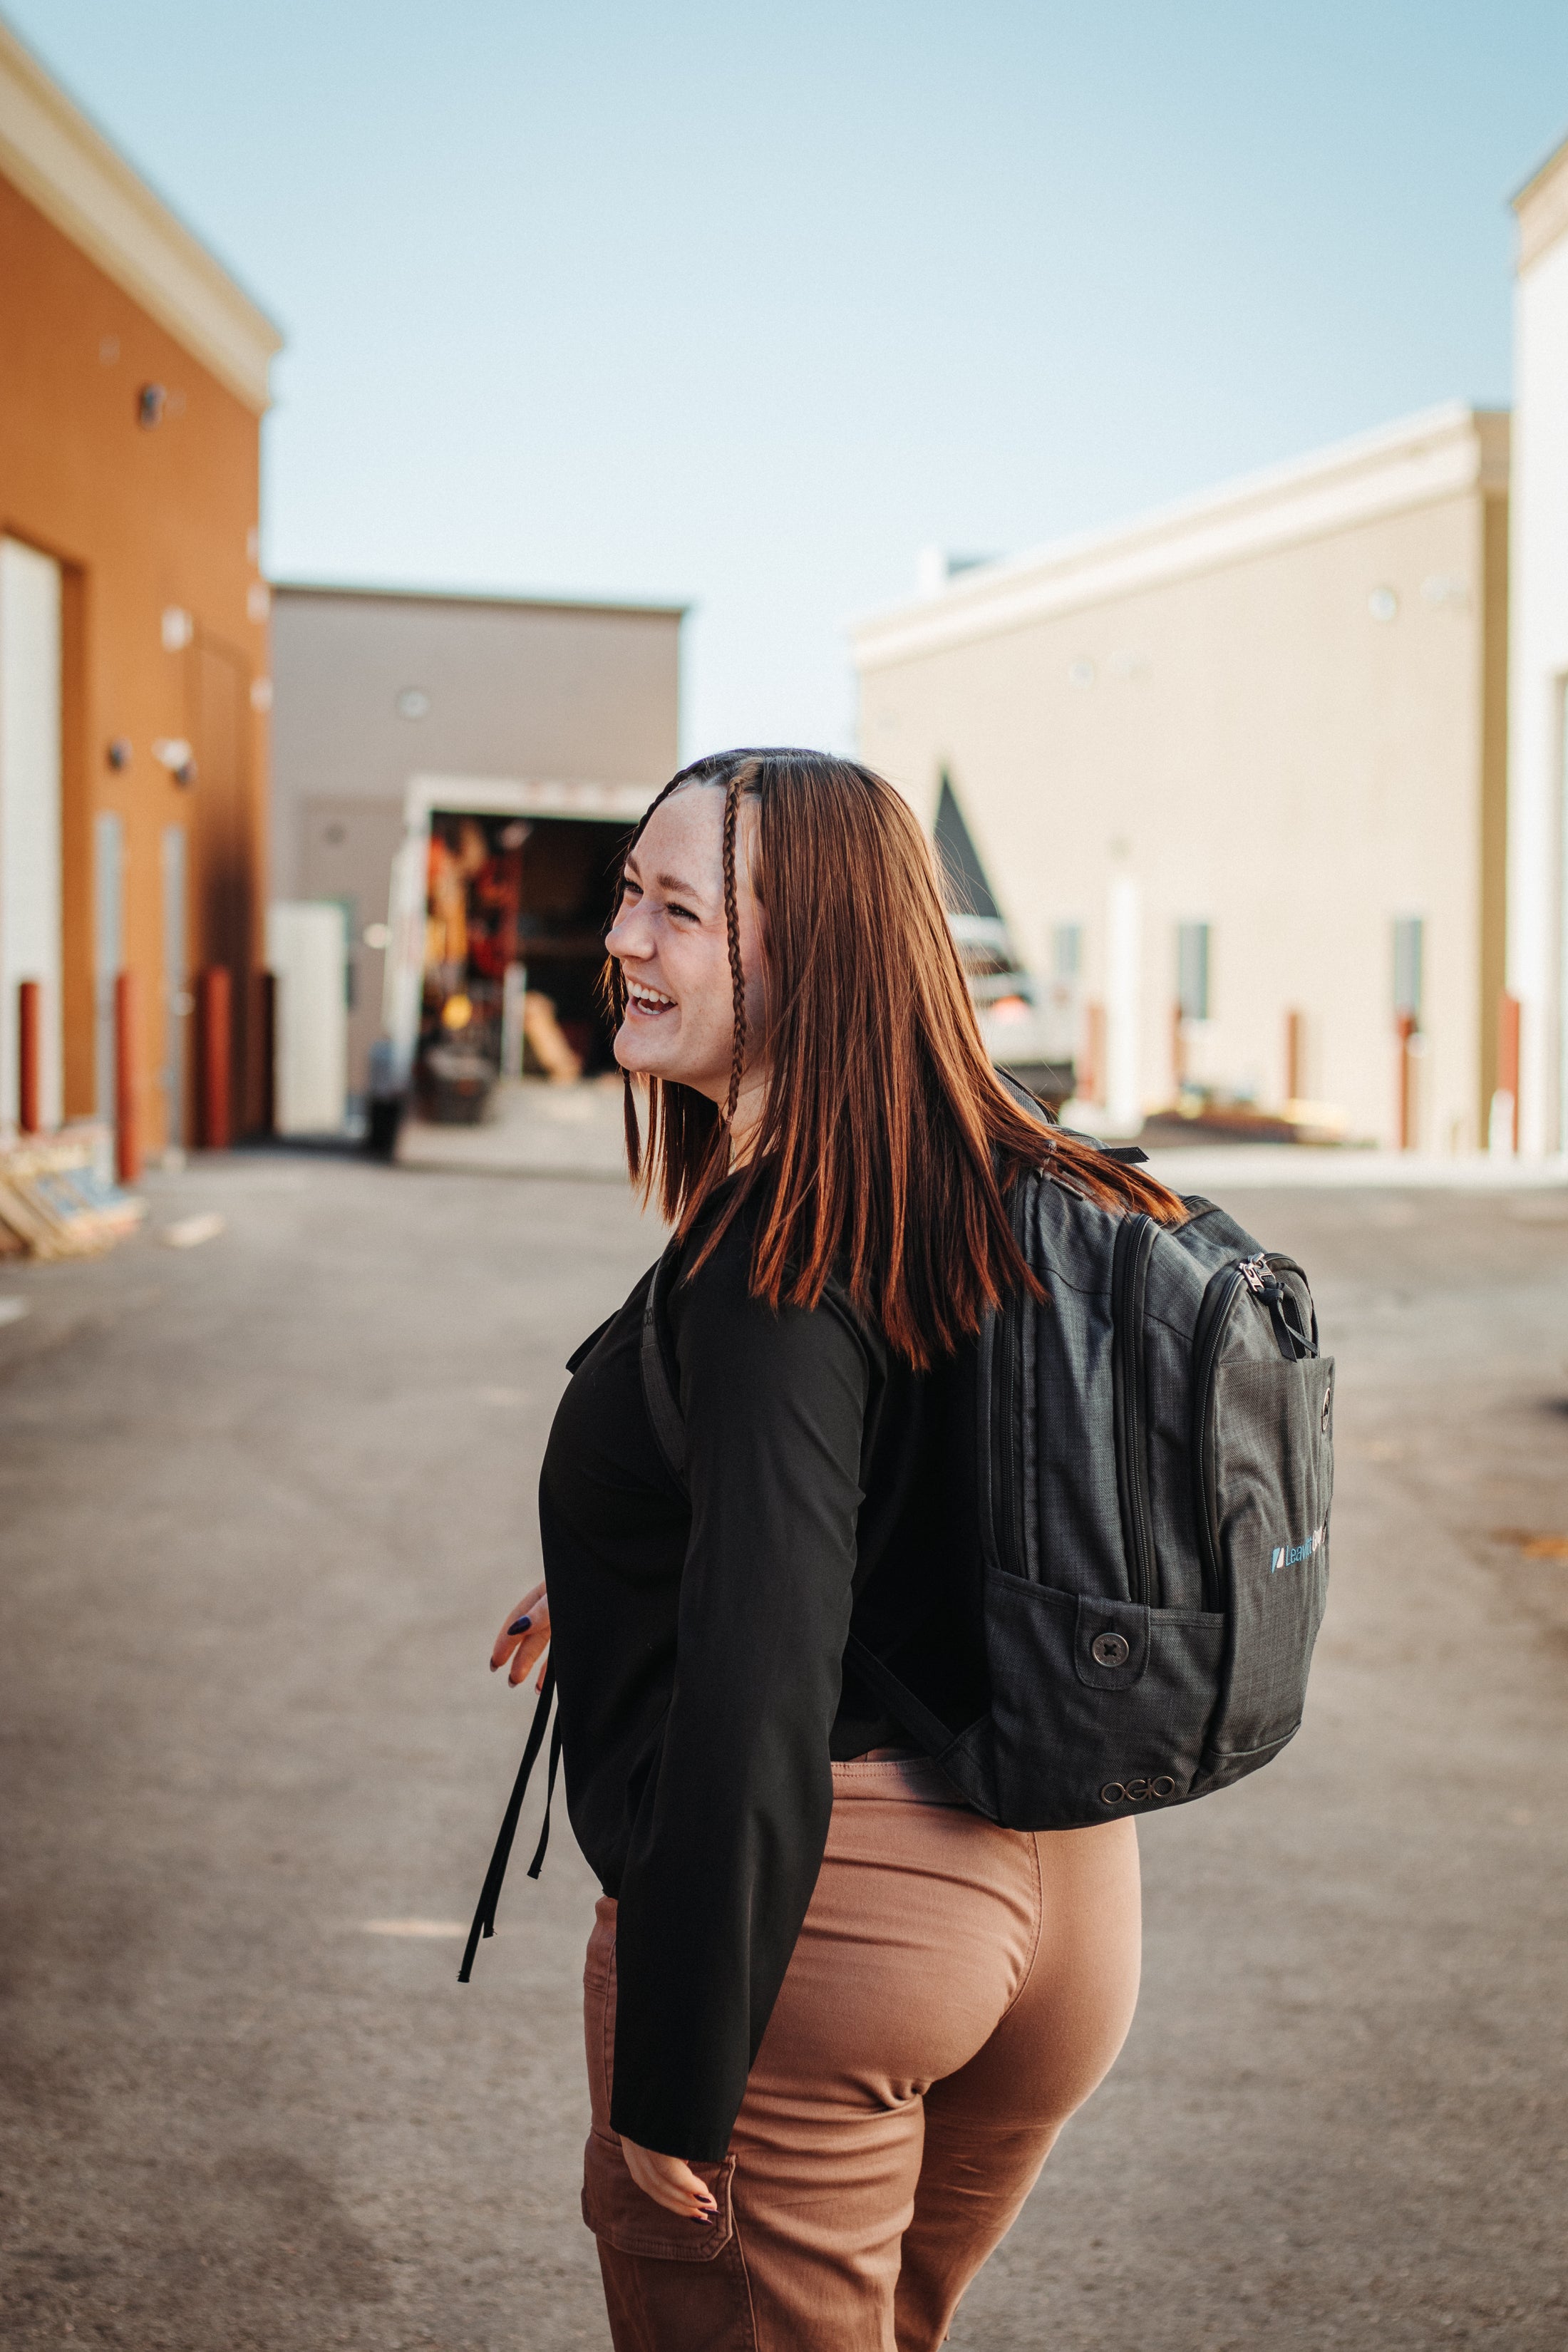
x,y
522,1625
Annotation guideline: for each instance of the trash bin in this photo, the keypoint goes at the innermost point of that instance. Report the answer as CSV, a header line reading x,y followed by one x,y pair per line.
x,y
388,1101
454,1086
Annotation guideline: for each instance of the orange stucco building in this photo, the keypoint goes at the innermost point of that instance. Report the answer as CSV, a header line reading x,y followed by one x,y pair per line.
x,y
133,635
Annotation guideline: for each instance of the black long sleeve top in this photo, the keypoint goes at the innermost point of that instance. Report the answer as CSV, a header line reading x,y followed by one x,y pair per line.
x,y
699,1643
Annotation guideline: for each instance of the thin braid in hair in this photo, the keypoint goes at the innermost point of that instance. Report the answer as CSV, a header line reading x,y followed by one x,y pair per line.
x,y
733,932
616,990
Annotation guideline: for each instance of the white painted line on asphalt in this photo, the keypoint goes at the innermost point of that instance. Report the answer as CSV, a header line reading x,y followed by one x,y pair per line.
x,y
413,1927
189,1232
12,1310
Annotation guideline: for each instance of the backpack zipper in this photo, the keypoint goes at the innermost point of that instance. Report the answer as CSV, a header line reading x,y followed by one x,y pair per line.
x,y
1260,1276
1133,1247
1008,1507
1213,1313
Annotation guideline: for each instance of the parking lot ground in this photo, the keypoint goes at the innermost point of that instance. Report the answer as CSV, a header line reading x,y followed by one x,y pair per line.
x,y
262,1502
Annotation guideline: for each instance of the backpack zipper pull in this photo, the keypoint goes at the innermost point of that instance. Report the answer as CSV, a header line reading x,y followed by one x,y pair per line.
x,y
1269,1291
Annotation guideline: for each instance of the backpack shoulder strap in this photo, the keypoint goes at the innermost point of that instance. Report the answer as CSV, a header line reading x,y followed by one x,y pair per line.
x,y
658,1388
1130,1154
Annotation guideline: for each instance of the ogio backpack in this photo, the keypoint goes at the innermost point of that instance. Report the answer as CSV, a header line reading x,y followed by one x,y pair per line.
x,y
1152,1460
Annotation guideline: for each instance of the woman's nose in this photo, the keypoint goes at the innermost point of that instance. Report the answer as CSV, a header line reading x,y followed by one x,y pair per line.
x,y
627,936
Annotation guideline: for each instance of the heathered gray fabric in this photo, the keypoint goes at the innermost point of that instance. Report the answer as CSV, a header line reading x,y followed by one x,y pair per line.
x,y
1214,1667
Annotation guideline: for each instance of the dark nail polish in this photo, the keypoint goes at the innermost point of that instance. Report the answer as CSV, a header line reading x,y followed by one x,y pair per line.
x,y
522,1625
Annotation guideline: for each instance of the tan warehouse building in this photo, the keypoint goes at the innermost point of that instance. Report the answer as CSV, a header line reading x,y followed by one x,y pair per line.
x,y
133,686
411,729
1235,776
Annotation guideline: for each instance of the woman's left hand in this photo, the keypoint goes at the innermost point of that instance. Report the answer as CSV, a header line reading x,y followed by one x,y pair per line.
x,y
523,1638
670,2181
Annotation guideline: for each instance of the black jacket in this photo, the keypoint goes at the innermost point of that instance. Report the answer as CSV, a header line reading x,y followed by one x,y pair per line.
x,y
699,1651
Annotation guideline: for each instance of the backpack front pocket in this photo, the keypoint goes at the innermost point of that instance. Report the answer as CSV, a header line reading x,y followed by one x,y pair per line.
x,y
1269,1490
1098,1707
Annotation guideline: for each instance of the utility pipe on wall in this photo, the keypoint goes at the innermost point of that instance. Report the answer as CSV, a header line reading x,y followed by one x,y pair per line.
x,y
1123,1094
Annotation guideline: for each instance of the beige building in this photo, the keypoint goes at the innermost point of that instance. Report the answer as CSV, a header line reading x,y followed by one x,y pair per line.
x,y
1234,778
1538,714
535,730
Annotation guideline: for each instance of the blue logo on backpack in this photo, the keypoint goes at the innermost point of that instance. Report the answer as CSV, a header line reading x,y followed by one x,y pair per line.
x,y
1291,1555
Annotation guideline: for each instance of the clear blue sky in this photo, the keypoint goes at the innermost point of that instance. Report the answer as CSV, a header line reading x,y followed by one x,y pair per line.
x,y
744,306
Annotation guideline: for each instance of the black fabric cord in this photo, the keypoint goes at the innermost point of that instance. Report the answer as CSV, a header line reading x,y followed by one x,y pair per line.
x,y
537,1864
489,1893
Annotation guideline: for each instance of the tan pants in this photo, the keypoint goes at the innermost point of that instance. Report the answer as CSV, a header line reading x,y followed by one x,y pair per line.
x,y
957,1990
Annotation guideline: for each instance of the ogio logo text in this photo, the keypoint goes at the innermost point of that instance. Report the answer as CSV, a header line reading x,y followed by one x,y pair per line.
x,y
1142,1792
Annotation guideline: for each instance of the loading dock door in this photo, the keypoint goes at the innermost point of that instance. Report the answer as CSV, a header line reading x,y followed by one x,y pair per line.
x,y
29,814
565,938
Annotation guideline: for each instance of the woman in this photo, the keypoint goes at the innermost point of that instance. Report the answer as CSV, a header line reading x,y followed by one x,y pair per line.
x,y
835,2018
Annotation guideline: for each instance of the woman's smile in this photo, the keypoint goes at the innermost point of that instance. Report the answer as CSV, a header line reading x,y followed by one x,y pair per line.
x,y
647,1002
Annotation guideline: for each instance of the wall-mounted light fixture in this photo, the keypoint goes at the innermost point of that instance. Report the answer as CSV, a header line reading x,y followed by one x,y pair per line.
x,y
173,751
119,753
178,627
150,403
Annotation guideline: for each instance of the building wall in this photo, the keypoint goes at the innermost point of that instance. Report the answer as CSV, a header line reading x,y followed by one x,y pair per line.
x,y
500,689
143,521
1237,740
1538,838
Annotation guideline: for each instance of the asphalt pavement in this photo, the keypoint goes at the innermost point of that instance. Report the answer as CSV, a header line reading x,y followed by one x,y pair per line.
x,y
263,1499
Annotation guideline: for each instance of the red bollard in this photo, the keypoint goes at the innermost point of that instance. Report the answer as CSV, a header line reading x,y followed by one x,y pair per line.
x,y
127,1089
29,1024
215,1013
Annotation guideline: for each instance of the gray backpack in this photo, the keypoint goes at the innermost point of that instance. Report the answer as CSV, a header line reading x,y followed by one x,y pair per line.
x,y
1151,1462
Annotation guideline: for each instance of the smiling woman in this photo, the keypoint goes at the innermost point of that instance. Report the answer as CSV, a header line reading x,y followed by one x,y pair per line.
x,y
834,2017
687,955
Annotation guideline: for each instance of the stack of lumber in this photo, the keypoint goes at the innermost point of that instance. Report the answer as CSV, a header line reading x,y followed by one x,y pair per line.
x,y
54,1203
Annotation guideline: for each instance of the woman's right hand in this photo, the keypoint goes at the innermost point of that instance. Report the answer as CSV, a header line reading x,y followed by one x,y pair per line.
x,y
524,1637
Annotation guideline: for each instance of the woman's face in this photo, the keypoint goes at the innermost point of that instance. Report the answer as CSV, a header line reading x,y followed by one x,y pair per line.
x,y
670,939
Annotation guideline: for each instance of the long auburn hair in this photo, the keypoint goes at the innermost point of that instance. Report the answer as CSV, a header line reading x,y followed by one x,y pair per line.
x,y
886,1143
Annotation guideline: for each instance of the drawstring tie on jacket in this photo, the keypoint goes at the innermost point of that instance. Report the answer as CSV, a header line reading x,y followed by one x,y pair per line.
x,y
489,1893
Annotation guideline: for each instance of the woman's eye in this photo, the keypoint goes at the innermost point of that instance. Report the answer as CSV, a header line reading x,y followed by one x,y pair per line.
x,y
688,914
